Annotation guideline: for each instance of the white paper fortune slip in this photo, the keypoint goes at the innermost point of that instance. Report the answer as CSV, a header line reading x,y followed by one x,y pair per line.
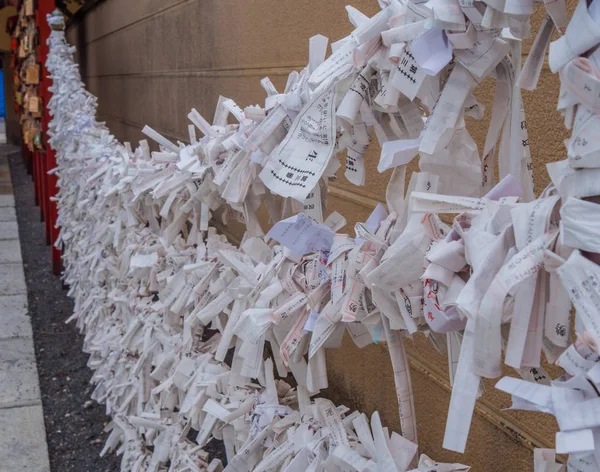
x,y
190,335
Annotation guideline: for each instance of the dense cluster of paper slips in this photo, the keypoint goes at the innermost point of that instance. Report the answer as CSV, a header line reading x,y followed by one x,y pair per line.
x,y
480,267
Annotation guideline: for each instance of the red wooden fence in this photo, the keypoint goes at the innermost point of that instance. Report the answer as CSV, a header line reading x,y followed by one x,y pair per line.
x,y
44,161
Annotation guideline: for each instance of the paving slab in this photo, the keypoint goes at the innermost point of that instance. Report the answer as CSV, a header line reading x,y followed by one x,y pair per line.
x,y
7,200
9,230
10,251
12,279
13,304
8,213
14,321
4,174
15,326
18,373
23,440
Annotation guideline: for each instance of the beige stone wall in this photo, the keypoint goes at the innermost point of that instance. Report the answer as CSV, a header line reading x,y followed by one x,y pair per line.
x,y
150,61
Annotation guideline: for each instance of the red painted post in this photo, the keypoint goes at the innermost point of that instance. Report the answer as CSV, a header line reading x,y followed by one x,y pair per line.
x,y
49,162
40,176
38,181
41,57
43,189
34,172
47,189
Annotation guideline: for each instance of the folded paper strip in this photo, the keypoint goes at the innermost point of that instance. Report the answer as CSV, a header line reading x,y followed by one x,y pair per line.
x,y
189,335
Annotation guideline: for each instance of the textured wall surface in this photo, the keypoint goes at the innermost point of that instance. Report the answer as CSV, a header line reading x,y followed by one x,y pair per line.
x,y
150,61
5,13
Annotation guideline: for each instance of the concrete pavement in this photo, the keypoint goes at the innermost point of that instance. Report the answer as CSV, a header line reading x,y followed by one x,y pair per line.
x,y
23,436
